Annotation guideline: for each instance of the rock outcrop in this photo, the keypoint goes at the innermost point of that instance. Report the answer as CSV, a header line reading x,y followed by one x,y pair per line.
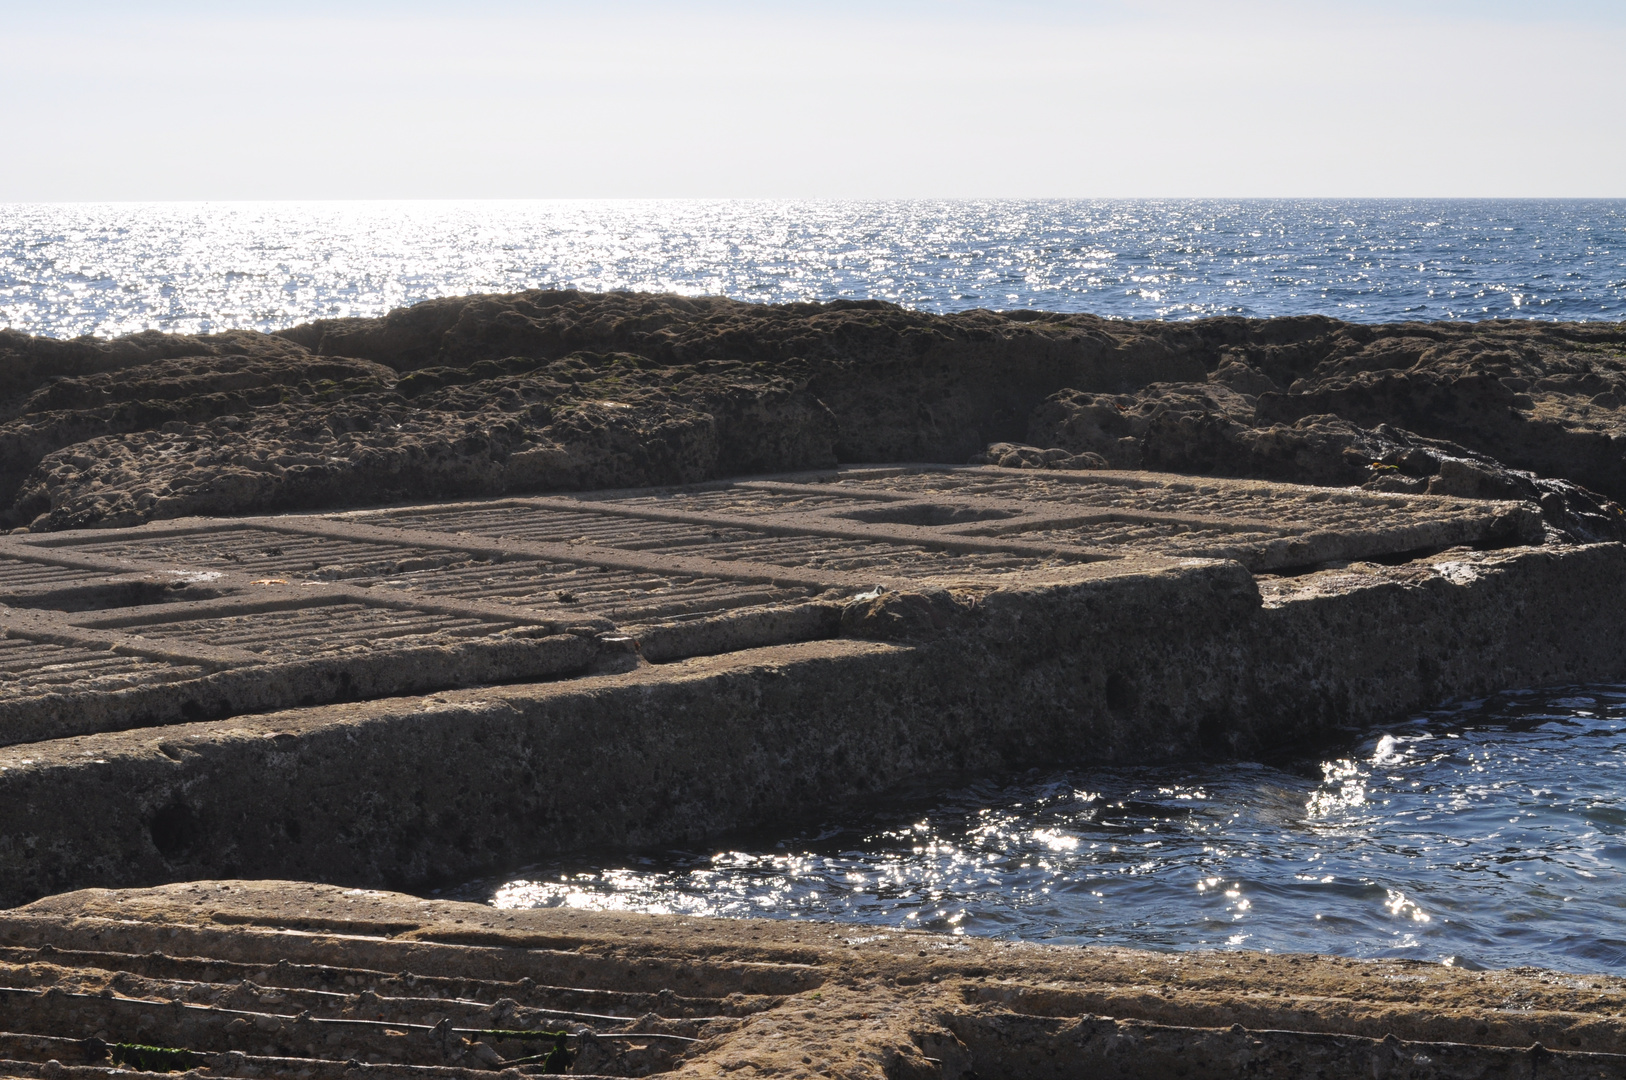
x,y
587,421
542,391
1212,430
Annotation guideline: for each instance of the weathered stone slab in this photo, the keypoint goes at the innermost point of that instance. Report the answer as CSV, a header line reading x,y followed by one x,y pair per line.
x,y
690,571
250,979
618,668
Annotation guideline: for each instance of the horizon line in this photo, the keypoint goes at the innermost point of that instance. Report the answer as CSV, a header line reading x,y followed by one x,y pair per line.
x,y
195,200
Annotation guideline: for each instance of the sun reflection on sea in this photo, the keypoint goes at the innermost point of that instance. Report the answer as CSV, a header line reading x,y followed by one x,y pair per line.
x,y
1491,833
116,268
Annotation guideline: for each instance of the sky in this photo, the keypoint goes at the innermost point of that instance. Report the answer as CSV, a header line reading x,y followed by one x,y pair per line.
x,y
882,99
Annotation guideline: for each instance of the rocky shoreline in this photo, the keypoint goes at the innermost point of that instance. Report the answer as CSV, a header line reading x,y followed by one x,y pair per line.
x,y
566,391
395,602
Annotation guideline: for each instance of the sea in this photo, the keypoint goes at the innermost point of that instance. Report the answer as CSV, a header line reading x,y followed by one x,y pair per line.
x,y
1481,834
114,268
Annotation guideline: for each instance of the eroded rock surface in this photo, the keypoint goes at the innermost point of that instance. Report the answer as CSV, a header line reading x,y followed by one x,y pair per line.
x,y
544,391
423,695
303,438
266,978
1211,430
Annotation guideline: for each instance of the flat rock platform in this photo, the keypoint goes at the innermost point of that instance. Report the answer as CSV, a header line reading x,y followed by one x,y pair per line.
x,y
416,695
264,979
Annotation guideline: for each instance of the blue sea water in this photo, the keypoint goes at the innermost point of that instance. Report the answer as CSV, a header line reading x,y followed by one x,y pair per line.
x,y
68,269
1489,834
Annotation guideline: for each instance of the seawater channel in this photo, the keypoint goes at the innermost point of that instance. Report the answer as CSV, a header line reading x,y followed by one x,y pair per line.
x,y
1485,834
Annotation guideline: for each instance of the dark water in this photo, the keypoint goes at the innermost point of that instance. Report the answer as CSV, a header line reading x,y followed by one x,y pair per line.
x,y
1492,833
76,268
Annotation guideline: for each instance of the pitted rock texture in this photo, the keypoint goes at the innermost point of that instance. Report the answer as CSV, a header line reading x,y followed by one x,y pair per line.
x,y
581,423
275,978
543,391
429,693
106,630
1211,430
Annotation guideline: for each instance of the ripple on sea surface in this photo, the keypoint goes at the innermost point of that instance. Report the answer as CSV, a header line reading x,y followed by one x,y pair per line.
x,y
1492,833
69,269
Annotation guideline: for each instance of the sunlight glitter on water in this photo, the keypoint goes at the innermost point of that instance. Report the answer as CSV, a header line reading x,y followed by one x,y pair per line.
x,y
69,269
1489,834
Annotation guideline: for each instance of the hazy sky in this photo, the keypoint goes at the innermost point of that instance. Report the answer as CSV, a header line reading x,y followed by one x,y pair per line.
x,y
886,98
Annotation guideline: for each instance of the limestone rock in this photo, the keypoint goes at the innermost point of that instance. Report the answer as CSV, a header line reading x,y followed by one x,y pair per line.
x,y
1022,456
548,390
529,433
1214,430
